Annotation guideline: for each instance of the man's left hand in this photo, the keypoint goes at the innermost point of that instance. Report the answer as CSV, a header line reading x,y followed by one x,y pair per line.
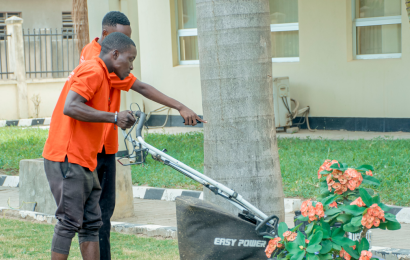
x,y
190,117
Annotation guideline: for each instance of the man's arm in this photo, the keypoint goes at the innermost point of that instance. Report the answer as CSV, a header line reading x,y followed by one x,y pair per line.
x,y
76,108
152,93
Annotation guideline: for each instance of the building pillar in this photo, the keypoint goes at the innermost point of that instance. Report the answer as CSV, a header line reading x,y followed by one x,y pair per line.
x,y
17,65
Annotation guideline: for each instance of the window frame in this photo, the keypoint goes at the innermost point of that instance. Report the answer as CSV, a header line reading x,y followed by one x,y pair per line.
x,y
285,27
20,14
374,21
184,33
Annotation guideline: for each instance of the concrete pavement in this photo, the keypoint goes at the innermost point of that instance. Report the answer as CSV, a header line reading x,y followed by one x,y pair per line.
x,y
163,213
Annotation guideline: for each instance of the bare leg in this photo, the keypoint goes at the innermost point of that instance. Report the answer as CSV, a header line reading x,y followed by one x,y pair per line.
x,y
90,250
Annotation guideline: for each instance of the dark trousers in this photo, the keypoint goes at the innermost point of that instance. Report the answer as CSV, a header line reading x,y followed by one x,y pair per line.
x,y
106,175
76,191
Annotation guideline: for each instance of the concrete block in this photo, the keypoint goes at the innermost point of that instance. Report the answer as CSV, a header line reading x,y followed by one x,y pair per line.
x,y
47,121
2,123
390,253
25,122
292,205
124,199
292,130
34,187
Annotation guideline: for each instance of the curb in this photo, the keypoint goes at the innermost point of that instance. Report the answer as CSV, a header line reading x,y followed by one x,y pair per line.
x,y
119,227
150,193
390,253
26,122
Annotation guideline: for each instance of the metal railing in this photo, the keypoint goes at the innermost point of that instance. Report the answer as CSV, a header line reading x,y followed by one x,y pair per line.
x,y
50,54
4,59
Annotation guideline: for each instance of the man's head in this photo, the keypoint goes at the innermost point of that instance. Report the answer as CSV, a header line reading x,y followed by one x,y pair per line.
x,y
115,21
118,52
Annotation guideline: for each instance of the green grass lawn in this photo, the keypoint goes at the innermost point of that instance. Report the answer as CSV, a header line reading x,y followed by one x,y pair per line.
x,y
25,240
299,159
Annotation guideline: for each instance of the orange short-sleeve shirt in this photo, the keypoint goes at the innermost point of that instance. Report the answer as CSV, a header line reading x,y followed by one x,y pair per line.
x,y
90,51
80,141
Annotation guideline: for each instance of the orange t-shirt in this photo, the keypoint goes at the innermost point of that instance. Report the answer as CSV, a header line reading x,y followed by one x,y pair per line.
x,y
80,141
90,51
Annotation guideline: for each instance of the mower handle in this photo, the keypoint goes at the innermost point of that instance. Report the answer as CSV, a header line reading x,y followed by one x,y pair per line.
x,y
141,122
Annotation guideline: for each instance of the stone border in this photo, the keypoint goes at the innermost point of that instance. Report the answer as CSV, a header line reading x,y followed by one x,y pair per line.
x,y
26,122
120,227
141,192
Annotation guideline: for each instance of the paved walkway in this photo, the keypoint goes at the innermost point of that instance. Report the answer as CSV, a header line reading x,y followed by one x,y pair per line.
x,y
304,134
163,213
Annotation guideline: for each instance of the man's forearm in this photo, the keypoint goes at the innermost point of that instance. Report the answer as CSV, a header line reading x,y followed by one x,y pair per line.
x,y
82,112
153,94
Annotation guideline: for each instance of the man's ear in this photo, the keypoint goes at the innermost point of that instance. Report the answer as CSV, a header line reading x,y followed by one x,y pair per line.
x,y
104,33
115,54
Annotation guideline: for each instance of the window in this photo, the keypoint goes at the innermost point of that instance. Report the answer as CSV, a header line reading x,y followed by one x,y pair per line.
x,y
284,30
68,25
187,32
376,29
3,17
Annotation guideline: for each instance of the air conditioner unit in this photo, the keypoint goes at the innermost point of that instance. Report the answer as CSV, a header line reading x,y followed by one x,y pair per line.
x,y
282,104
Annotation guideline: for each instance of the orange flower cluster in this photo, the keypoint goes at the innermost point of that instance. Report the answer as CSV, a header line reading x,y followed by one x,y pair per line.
x,y
307,209
333,204
344,254
358,202
369,172
325,167
273,244
365,255
289,236
373,216
350,179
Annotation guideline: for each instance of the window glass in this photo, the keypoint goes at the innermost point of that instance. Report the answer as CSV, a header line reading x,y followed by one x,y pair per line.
x,y
377,8
188,48
186,14
285,44
283,11
379,39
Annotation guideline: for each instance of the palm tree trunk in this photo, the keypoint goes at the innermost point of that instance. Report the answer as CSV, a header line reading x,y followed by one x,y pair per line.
x,y
80,20
240,143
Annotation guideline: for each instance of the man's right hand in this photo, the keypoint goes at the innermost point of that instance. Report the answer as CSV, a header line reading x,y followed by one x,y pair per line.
x,y
125,119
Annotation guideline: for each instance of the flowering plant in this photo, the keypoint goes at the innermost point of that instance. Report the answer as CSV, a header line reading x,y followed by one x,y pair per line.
x,y
343,207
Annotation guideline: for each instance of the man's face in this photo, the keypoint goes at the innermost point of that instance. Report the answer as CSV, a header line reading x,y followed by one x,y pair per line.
x,y
122,62
125,29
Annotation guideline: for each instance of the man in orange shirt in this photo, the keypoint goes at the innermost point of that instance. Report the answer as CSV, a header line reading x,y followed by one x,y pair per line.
x,y
117,22
76,137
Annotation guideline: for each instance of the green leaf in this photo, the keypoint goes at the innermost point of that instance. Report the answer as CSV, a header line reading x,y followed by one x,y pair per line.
x,y
302,218
338,232
351,228
326,246
343,241
336,246
353,209
298,256
390,217
292,248
363,245
365,167
370,180
316,239
393,225
300,239
313,248
268,237
311,257
370,191
367,199
384,207
335,166
325,172
296,228
332,211
282,228
356,221
325,256
376,199
309,228
344,218
329,199
325,229
351,251
330,218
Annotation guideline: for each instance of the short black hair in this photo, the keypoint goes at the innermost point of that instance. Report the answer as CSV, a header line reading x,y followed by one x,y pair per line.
x,y
116,41
113,18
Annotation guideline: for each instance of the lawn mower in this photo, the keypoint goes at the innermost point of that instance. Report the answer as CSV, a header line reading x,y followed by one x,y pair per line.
x,y
205,230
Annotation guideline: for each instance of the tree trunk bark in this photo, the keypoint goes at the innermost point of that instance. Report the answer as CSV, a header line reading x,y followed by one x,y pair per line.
x,y
408,8
240,145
